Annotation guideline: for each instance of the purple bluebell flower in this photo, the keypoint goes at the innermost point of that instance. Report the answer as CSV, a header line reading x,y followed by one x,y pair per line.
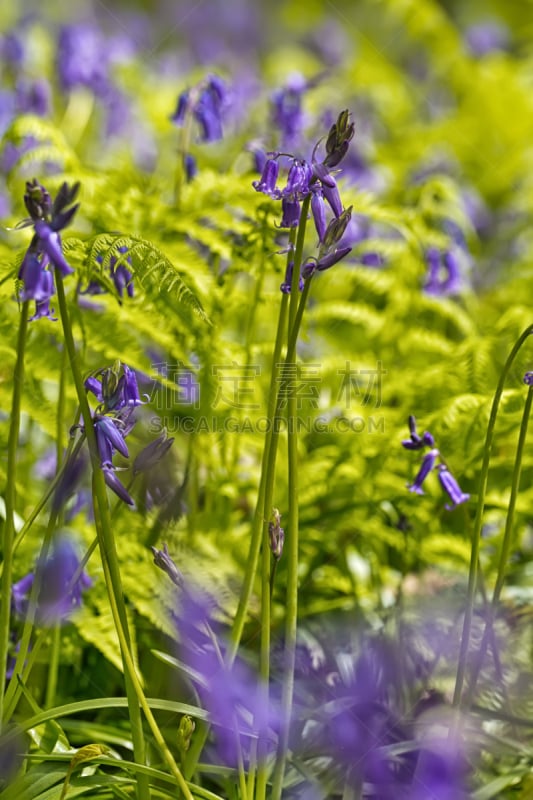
x,y
452,488
444,276
116,387
82,58
108,439
163,560
181,108
298,179
205,102
50,243
57,598
269,176
287,111
428,463
371,259
441,771
332,196
152,453
69,481
12,49
13,747
33,97
287,283
528,379
417,442
291,213
319,212
116,486
45,249
487,37
231,696
191,167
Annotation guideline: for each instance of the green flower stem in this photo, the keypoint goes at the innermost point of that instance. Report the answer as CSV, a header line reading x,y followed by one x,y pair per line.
x,y
488,632
53,666
60,423
106,541
291,544
130,669
14,688
267,468
476,533
267,505
10,500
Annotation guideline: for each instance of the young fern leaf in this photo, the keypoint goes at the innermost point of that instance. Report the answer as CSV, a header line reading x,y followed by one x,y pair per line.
x,y
147,263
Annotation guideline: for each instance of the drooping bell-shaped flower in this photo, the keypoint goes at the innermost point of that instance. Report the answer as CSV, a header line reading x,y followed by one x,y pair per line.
x,y
452,488
428,463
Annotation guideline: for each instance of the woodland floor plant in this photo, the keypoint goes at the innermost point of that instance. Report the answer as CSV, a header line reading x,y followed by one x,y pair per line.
x,y
265,389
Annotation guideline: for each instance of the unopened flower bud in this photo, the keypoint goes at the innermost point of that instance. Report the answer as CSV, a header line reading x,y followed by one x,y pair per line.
x,y
276,534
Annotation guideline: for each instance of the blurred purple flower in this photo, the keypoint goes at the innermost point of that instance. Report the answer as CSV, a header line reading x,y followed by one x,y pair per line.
x,y
206,102
487,37
428,462
444,276
287,114
82,58
57,598
232,696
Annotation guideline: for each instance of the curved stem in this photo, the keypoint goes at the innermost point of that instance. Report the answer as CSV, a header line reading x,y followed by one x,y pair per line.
x,y
10,499
106,541
488,632
476,533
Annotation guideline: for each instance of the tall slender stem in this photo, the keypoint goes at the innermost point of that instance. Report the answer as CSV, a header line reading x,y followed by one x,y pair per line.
x,y
10,500
476,533
292,538
106,542
488,632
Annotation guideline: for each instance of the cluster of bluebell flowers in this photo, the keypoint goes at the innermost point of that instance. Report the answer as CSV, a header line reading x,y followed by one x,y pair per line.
x,y
119,273
117,392
45,253
432,460
315,180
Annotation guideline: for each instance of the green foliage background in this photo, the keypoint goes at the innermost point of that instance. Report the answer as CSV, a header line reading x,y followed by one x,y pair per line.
x,y
207,278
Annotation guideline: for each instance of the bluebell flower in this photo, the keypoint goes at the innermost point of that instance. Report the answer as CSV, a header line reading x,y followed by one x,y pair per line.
x,y
287,114
231,696
417,442
152,453
291,213
298,179
33,97
82,58
163,560
205,102
57,598
428,462
444,275
319,212
452,488
269,176
115,387
332,196
110,437
45,250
